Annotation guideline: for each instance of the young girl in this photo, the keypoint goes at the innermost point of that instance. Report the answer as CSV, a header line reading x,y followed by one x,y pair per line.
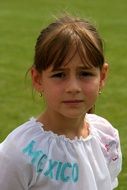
x,y
65,147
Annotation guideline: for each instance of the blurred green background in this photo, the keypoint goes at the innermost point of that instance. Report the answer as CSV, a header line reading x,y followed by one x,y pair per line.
x,y
20,24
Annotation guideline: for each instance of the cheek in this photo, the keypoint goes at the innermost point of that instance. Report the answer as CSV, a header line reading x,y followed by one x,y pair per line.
x,y
92,88
91,94
52,94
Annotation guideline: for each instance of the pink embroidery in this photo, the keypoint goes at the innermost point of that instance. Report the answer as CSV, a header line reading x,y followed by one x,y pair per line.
x,y
115,158
107,147
112,151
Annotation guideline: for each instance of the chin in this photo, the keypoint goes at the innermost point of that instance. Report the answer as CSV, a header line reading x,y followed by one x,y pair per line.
x,y
74,115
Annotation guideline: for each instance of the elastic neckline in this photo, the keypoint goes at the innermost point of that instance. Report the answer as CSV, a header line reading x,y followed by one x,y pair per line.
x,y
61,137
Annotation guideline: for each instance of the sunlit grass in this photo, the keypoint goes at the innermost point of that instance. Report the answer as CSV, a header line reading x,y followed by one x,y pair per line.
x,y
20,24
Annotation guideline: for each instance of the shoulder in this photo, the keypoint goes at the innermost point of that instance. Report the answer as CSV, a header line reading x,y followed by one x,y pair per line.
x,y
28,138
23,133
13,144
12,159
107,135
102,129
102,126
108,138
16,139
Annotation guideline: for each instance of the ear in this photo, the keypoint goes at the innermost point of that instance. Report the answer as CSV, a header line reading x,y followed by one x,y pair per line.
x,y
103,75
36,79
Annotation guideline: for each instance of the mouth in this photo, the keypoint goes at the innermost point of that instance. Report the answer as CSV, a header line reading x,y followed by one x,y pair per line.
x,y
73,102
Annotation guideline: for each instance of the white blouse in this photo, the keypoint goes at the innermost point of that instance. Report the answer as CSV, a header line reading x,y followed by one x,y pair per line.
x,y
34,159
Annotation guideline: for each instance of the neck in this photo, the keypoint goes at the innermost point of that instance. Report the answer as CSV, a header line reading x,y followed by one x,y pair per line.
x,y
70,127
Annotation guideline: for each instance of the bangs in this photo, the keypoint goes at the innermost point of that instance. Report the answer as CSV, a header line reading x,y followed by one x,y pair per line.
x,y
89,54
67,46
63,44
61,50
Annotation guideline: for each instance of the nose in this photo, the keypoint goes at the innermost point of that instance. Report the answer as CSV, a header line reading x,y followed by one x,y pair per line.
x,y
73,86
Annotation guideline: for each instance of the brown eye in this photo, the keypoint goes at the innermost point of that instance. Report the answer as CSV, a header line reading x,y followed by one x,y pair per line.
x,y
58,75
85,74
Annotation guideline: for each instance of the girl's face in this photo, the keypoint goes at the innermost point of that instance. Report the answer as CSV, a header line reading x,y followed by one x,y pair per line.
x,y
71,90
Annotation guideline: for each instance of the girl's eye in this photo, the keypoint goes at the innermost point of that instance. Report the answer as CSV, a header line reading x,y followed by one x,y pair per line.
x,y
58,75
85,74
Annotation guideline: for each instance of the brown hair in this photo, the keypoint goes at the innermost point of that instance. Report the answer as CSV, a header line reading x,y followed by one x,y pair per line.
x,y
66,36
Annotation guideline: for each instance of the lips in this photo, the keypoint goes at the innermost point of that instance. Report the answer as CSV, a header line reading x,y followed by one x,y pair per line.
x,y
72,101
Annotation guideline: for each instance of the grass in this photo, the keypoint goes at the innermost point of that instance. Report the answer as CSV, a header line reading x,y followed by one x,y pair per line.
x,y
20,23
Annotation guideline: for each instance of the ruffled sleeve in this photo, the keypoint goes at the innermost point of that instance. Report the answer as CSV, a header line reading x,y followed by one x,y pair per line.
x,y
115,161
110,144
15,172
12,175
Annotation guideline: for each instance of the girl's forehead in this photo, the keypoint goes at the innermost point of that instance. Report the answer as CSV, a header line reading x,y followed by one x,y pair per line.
x,y
73,64
71,60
